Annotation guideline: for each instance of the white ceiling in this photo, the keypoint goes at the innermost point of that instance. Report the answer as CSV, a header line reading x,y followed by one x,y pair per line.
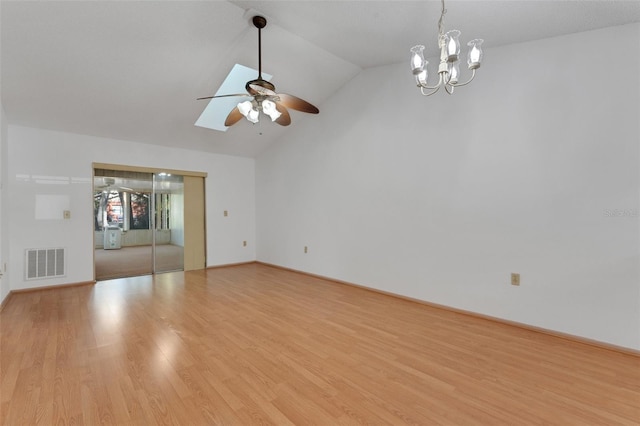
x,y
132,69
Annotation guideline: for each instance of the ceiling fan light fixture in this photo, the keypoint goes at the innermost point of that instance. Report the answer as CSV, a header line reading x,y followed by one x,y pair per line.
x,y
253,116
245,107
269,108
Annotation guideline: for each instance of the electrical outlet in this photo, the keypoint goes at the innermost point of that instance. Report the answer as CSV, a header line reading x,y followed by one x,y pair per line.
x,y
306,249
226,213
515,279
244,244
66,214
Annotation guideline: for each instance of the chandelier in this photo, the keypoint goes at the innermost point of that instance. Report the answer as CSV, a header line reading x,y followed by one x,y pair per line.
x,y
449,69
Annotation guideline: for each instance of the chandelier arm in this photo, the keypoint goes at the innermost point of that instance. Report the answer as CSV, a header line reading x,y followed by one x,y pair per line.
x,y
473,74
433,88
447,78
449,88
429,93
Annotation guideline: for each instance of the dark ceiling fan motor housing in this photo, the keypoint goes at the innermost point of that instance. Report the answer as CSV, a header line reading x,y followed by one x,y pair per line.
x,y
260,82
259,21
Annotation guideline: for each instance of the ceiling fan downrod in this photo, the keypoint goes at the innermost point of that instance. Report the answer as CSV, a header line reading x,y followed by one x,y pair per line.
x,y
259,22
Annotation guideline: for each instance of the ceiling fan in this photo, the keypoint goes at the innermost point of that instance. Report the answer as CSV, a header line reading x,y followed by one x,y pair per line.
x,y
264,95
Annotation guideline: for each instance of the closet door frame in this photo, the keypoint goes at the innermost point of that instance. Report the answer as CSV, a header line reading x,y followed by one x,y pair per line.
x,y
195,250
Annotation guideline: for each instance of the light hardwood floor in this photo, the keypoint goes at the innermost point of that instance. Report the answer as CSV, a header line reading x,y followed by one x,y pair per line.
x,y
253,344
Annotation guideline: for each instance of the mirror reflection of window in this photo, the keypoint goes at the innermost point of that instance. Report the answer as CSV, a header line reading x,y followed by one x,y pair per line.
x,y
139,211
108,207
114,211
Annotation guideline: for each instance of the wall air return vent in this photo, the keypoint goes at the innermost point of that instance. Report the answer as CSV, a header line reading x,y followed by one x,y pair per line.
x,y
44,263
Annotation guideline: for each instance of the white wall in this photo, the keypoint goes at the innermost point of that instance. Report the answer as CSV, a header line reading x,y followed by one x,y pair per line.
x,y
5,286
56,163
441,198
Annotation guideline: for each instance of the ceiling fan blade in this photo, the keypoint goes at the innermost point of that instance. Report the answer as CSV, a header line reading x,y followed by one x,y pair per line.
x,y
262,90
296,103
224,96
285,118
234,116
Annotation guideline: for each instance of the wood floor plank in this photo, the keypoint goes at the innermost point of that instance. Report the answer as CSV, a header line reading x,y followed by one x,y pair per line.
x,y
252,344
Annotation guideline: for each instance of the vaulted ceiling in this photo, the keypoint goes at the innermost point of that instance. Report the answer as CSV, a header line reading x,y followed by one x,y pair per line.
x,y
132,70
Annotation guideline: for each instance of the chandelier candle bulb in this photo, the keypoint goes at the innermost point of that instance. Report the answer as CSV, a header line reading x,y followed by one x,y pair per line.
x,y
421,78
454,72
418,63
453,45
475,53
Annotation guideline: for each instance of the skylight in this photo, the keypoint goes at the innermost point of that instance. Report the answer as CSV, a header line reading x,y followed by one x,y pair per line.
x,y
217,109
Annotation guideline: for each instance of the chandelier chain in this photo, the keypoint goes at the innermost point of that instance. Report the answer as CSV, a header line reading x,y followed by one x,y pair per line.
x,y
441,20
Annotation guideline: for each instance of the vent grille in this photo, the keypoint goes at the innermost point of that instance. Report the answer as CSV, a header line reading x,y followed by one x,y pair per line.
x,y
44,263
